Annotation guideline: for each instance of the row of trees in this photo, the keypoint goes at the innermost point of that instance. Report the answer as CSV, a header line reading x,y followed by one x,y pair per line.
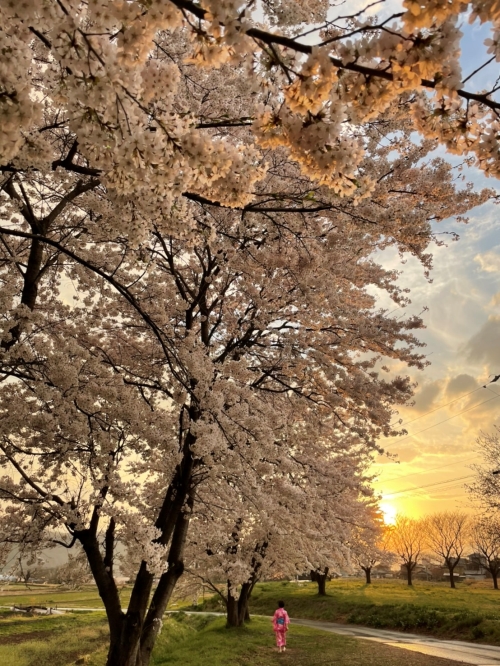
x,y
194,207
447,536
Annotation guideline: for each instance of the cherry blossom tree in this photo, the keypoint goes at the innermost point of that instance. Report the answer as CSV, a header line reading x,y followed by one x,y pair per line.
x,y
299,516
88,68
191,220
369,543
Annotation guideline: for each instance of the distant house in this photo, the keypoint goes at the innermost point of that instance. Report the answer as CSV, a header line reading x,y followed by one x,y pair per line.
x,y
476,567
471,567
425,570
382,571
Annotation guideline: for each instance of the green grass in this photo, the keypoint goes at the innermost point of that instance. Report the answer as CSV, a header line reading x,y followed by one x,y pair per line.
x,y
471,612
50,641
86,597
191,641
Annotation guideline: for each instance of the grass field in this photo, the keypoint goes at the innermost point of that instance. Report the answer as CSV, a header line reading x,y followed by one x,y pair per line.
x,y
470,612
54,596
191,641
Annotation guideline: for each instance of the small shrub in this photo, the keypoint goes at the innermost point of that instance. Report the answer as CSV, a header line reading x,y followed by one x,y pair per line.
x,y
179,616
477,633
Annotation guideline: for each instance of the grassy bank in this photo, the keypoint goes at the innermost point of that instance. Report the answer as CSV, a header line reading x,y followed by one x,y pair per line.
x,y
191,641
471,612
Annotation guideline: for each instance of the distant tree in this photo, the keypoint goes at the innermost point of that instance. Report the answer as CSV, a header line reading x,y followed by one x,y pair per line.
x,y
368,545
447,535
406,540
485,538
28,573
486,487
73,574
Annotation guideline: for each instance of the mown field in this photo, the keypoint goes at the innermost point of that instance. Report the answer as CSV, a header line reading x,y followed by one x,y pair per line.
x,y
191,641
470,612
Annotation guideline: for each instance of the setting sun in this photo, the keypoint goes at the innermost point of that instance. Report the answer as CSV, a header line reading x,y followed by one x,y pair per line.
x,y
389,512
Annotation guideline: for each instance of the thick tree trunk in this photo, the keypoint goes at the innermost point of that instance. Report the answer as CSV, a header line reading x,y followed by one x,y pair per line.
x,y
133,634
368,574
494,575
409,571
235,611
320,578
124,629
237,608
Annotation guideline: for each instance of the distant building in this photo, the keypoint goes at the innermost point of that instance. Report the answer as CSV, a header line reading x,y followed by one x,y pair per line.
x,y
471,567
382,571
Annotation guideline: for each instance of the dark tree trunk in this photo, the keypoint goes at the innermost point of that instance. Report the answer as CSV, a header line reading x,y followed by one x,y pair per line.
x,y
494,570
368,574
166,585
409,570
451,564
237,608
30,288
320,577
133,634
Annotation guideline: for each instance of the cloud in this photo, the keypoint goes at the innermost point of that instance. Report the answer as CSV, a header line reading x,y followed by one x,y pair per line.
x,y
425,398
488,261
461,384
484,346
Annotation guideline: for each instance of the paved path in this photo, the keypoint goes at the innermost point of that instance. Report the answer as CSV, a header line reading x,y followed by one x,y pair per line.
x,y
467,653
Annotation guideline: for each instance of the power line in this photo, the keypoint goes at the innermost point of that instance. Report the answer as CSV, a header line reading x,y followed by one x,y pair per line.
x,y
453,487
451,417
432,469
436,409
428,485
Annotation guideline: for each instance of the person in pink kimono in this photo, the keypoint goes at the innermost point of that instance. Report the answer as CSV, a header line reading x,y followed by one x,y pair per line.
x,y
280,625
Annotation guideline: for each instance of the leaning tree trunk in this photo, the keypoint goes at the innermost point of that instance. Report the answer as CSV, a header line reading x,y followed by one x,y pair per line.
x,y
320,578
368,574
161,597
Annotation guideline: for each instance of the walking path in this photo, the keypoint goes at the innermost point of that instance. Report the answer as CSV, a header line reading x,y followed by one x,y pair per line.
x,y
467,653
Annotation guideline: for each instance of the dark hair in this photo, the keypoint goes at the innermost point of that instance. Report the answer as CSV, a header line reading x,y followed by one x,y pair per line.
x,y
281,604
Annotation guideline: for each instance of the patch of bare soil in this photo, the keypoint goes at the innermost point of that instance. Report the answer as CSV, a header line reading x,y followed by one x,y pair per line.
x,y
25,637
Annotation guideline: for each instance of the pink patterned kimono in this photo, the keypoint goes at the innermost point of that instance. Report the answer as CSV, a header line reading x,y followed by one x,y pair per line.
x,y
280,626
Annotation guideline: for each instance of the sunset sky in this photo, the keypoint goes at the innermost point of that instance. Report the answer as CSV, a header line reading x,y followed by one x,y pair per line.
x,y
463,343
